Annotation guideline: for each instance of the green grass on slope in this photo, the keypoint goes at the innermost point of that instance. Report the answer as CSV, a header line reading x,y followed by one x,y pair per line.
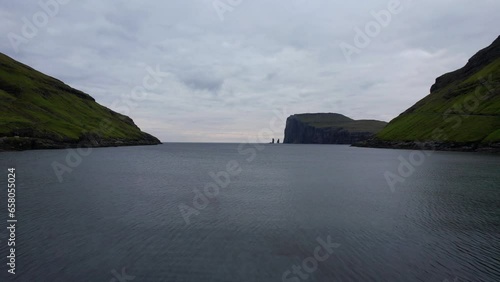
x,y
464,111
33,101
493,137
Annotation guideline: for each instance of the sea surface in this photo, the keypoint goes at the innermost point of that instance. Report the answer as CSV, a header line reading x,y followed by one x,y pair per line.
x,y
230,212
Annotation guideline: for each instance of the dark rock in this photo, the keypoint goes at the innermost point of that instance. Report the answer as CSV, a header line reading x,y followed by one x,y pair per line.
x,y
328,129
493,147
475,64
18,143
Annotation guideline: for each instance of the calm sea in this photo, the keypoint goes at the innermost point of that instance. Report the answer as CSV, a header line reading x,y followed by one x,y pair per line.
x,y
221,212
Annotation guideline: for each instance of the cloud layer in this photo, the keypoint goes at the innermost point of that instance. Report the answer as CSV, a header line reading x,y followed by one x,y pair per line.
x,y
228,71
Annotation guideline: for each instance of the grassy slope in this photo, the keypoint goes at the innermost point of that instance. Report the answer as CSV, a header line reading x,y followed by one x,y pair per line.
x,y
336,120
35,102
465,110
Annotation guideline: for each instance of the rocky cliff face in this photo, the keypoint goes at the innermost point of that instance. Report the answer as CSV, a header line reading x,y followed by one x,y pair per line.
x,y
328,129
474,65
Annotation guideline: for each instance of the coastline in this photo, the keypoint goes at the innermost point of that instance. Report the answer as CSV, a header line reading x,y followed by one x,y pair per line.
x,y
31,143
431,145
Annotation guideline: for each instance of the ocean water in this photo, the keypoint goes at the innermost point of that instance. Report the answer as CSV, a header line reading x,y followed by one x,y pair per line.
x,y
225,212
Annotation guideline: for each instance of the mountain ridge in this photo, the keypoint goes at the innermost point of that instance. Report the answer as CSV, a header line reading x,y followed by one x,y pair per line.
x,y
462,111
42,112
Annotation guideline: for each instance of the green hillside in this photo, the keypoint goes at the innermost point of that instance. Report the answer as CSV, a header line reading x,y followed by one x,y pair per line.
x,y
39,111
463,107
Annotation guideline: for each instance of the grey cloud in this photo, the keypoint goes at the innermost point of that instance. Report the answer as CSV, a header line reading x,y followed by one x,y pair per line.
x,y
201,83
228,76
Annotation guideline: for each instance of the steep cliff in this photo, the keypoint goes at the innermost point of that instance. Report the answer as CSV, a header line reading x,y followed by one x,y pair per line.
x,y
329,128
41,112
462,111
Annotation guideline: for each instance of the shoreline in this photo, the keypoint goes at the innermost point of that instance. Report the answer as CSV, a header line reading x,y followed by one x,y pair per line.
x,y
476,147
13,144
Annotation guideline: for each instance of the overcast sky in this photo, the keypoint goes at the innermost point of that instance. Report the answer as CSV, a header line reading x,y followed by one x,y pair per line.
x,y
225,67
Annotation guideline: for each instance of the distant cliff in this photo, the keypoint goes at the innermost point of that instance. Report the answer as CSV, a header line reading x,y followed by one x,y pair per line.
x,y
329,128
41,112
